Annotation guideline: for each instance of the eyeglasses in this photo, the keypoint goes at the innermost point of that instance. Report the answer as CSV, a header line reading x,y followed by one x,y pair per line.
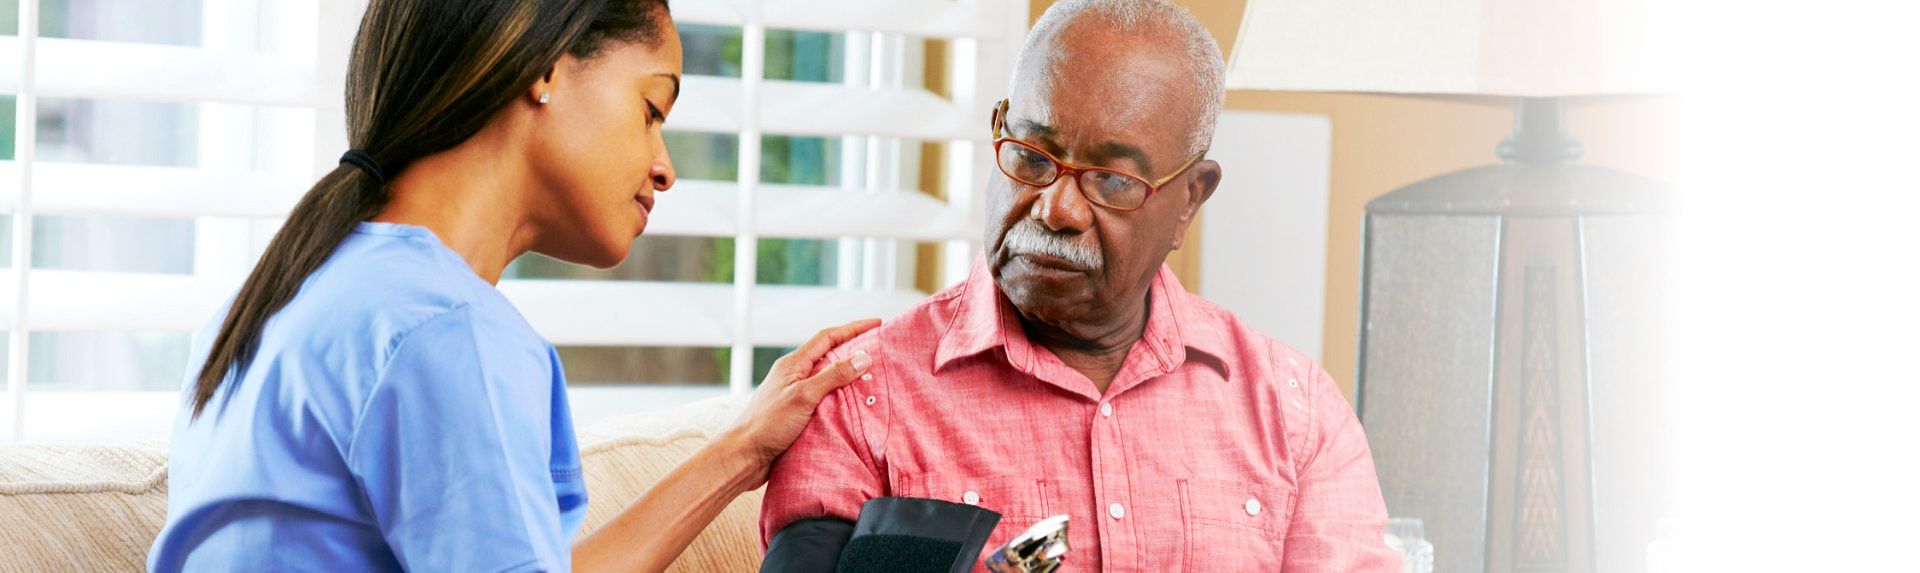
x,y
1104,187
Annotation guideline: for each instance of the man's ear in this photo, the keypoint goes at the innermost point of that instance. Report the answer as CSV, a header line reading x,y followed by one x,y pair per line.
x,y
1206,179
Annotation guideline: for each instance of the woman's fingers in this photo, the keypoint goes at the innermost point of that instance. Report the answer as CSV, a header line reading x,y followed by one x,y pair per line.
x,y
825,340
798,363
834,376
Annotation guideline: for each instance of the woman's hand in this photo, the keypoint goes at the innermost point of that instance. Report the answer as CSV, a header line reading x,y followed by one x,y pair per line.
x,y
650,533
784,403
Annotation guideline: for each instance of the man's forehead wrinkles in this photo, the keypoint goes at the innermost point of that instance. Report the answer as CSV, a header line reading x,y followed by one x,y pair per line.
x,y
1111,94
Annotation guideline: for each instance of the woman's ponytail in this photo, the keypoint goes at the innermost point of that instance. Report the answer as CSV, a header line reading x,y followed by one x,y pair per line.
x,y
323,218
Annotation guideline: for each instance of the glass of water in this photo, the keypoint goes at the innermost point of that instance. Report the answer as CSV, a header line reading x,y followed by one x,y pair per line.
x,y
1408,536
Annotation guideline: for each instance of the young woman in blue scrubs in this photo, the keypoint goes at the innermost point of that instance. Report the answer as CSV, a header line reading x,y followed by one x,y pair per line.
x,y
369,401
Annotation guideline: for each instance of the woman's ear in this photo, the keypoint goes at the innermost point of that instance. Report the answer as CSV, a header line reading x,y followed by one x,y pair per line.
x,y
544,89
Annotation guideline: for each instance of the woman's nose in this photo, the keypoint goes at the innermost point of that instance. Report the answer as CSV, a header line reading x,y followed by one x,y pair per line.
x,y
662,172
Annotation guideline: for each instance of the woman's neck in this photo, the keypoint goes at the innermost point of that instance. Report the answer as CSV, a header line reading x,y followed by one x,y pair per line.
x,y
472,200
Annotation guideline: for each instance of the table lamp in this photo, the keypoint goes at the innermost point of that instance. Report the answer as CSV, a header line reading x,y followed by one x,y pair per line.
x,y
1510,377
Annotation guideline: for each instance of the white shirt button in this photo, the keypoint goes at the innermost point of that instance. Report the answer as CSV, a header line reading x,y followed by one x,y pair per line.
x,y
1253,507
871,400
1106,409
1116,511
971,498
1292,383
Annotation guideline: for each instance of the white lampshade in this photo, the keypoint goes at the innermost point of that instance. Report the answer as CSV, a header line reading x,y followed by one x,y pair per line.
x,y
1529,48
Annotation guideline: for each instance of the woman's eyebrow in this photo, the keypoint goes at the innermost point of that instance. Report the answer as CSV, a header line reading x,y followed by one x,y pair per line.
x,y
676,85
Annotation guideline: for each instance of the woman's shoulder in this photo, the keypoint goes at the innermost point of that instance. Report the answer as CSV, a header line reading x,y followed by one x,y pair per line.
x,y
383,286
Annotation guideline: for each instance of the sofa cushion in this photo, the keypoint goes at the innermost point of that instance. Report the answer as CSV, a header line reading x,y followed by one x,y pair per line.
x,y
98,507
623,456
66,507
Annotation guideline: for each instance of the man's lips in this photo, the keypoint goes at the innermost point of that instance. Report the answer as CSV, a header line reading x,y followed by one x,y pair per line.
x,y
1051,262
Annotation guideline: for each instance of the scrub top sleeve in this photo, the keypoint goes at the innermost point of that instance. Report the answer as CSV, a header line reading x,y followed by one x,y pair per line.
x,y
453,446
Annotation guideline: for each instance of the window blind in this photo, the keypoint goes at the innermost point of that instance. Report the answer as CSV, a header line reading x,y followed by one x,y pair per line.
x,y
260,88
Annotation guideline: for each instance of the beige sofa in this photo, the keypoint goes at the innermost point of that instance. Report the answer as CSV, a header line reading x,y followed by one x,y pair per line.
x,y
98,507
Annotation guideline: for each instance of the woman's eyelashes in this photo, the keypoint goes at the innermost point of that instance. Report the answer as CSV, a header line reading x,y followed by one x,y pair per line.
x,y
654,116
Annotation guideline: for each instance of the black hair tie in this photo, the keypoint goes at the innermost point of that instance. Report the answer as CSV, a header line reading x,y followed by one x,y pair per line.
x,y
365,162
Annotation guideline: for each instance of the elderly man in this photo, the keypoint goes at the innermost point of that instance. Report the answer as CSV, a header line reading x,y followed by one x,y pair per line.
x,y
1071,373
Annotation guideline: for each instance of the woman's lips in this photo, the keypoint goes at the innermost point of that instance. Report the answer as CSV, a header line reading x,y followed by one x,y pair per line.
x,y
645,201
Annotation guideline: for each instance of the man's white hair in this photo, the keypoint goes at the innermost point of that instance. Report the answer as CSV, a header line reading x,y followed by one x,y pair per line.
x,y
1202,52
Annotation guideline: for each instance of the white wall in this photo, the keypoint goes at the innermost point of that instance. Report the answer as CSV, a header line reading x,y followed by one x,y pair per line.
x,y
1263,245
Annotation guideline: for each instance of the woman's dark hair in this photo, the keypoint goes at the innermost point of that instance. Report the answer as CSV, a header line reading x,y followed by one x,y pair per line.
x,y
424,76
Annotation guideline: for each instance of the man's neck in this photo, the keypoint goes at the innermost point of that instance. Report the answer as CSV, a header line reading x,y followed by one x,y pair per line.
x,y
1096,350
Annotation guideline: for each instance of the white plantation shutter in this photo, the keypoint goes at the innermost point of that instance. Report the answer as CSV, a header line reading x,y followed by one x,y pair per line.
x,y
261,93
984,36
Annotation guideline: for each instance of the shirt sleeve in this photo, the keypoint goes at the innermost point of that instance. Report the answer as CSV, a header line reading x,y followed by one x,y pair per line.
x,y
1339,517
829,471
452,450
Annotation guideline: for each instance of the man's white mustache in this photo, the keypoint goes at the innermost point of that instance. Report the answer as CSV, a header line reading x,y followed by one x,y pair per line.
x,y
1028,238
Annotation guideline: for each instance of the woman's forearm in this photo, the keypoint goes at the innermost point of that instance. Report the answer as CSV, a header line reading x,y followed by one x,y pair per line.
x,y
651,532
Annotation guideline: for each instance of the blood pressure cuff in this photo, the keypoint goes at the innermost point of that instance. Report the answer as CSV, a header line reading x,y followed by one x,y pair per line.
x,y
810,545
894,535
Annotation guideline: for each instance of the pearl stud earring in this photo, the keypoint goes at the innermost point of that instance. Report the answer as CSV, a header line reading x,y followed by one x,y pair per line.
x,y
543,98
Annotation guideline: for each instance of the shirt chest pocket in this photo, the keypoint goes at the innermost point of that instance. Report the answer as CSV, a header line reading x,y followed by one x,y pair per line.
x,y
1234,526
1021,501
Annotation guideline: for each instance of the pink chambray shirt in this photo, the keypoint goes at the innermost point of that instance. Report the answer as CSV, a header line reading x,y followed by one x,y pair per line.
x,y
1214,449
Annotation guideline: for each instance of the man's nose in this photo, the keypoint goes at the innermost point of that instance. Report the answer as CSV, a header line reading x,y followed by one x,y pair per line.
x,y
1062,208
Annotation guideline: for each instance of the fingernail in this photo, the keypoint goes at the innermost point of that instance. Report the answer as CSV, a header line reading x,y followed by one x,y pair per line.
x,y
861,360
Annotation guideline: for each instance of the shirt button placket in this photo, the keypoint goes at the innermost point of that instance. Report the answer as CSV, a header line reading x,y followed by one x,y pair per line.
x,y
1109,487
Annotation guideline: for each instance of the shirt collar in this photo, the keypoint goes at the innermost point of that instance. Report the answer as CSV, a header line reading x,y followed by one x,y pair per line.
x,y
983,319
1176,321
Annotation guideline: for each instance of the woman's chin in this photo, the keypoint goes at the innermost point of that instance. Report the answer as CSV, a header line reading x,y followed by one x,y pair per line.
x,y
605,255
611,258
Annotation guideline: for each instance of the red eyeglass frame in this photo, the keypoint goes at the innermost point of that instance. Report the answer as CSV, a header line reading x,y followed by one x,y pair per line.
x,y
1063,169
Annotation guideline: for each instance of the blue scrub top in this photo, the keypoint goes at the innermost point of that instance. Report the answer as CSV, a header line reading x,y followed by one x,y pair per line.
x,y
399,414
